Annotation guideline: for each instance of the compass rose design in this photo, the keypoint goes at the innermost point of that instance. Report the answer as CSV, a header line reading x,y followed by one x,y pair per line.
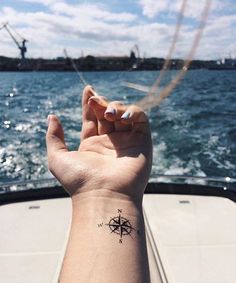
x,y
120,225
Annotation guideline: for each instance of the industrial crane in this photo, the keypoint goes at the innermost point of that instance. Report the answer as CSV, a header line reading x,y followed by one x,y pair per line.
x,y
136,50
22,45
135,56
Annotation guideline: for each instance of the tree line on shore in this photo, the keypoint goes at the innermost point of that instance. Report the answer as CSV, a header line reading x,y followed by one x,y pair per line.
x,y
92,63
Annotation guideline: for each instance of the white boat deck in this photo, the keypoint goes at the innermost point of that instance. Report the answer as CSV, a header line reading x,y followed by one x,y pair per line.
x,y
191,239
195,237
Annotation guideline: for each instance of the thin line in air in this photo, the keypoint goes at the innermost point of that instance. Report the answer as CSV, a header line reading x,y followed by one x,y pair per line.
x,y
75,68
151,101
153,89
166,65
139,87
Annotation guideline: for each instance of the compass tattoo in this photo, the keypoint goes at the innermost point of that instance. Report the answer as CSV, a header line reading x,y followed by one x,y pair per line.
x,y
120,225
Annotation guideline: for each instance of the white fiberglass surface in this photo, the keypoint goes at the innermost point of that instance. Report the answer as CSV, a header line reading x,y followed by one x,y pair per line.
x,y
33,239
195,237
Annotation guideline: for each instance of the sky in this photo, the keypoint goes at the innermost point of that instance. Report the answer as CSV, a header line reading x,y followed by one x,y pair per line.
x,y
113,27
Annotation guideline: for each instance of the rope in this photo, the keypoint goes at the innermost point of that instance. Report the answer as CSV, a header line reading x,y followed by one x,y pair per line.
x,y
151,101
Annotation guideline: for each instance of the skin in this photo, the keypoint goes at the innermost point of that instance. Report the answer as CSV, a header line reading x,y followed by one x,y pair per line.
x,y
108,172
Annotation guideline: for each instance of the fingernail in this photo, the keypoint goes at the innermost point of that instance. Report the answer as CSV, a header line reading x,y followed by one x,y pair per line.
x,y
110,110
92,90
48,119
94,98
126,115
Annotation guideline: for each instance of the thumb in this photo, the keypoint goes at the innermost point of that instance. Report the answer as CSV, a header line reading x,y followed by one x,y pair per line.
x,y
55,136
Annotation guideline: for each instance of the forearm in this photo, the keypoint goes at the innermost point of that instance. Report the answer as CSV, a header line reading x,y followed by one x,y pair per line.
x,y
107,240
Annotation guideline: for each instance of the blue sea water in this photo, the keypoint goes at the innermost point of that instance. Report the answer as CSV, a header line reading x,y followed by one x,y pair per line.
x,y
194,129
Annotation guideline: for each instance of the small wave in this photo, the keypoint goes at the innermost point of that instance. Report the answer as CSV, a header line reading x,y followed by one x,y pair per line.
x,y
22,127
232,135
166,165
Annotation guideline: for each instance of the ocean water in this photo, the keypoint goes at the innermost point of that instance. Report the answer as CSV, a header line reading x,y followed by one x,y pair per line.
x,y
194,129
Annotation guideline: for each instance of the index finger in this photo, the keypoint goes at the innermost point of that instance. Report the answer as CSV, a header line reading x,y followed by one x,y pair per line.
x,y
136,117
89,120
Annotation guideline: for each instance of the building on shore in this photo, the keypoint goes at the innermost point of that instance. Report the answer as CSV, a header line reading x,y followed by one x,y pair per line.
x,y
99,63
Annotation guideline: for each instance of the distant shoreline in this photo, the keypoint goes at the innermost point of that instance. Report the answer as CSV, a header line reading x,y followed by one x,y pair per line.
x,y
92,63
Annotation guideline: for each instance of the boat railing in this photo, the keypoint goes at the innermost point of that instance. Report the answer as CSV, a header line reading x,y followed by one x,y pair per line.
x,y
226,183
27,184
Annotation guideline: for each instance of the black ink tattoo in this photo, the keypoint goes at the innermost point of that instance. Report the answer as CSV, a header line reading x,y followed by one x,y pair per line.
x,y
120,225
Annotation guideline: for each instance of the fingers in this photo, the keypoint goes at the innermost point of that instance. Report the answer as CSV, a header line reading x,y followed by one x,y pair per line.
x,y
101,117
114,112
89,120
99,106
136,117
55,136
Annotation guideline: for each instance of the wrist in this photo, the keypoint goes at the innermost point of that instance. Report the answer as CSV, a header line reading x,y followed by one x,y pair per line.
x,y
105,198
107,215
102,200
106,226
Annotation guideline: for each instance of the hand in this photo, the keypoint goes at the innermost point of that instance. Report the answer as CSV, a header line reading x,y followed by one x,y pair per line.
x,y
115,153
